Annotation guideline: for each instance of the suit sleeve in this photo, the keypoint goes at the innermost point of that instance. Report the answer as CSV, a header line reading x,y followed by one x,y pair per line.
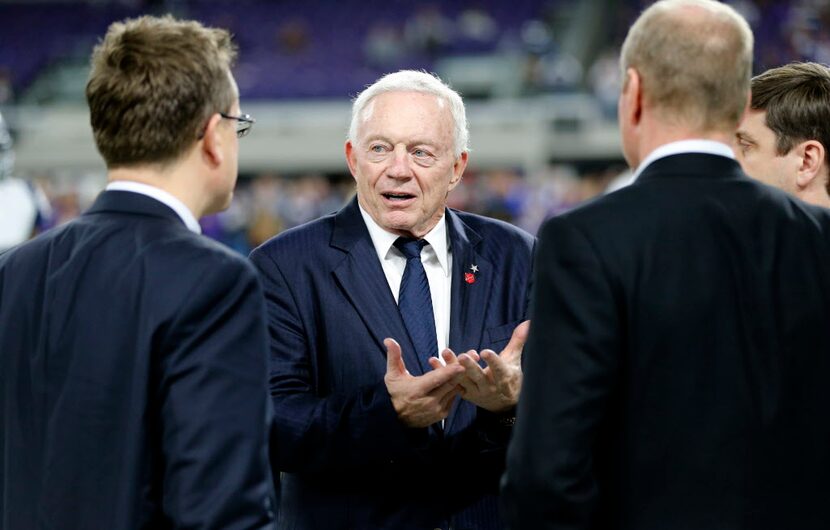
x,y
213,404
317,433
571,363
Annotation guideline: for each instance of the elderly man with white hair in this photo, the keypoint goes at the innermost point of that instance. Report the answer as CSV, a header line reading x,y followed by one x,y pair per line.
x,y
380,424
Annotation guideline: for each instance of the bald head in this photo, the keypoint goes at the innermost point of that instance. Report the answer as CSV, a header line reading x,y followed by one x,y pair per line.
x,y
694,58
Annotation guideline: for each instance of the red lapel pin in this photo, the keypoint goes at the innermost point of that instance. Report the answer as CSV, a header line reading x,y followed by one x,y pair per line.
x,y
470,277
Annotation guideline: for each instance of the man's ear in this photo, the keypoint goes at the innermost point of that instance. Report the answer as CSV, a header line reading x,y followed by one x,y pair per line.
x,y
812,167
458,169
212,142
351,160
632,97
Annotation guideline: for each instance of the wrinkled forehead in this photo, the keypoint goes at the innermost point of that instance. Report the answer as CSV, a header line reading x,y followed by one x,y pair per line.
x,y
414,112
422,98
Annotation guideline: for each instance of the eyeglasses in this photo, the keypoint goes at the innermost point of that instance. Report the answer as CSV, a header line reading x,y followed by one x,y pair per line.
x,y
243,123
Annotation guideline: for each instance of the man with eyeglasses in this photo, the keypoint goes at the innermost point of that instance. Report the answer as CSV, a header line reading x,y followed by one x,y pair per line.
x,y
132,349
243,124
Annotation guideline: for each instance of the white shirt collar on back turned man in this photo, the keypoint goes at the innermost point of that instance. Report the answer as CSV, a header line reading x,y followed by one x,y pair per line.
x,y
710,147
162,196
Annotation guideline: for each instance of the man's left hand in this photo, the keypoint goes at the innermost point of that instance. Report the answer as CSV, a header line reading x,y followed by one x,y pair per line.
x,y
495,388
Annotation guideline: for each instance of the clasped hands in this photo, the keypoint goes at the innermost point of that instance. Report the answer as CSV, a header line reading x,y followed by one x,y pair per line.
x,y
426,399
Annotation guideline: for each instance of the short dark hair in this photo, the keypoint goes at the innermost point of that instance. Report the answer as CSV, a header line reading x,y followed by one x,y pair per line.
x,y
796,98
154,83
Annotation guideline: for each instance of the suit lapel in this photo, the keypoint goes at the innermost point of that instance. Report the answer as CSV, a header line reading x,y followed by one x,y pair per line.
x,y
468,306
361,277
469,302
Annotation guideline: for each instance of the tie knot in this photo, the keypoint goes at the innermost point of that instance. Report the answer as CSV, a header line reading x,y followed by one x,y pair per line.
x,y
411,248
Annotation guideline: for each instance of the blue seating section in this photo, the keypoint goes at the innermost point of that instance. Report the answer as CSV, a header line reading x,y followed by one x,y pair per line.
x,y
288,48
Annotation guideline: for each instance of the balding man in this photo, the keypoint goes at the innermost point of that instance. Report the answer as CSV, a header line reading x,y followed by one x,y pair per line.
x,y
676,371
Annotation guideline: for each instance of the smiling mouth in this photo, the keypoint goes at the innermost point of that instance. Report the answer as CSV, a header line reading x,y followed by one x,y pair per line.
x,y
398,196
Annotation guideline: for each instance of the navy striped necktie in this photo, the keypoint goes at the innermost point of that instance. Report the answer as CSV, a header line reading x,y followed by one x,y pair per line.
x,y
415,301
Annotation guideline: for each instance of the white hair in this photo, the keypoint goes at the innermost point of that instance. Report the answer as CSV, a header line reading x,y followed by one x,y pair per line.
x,y
414,81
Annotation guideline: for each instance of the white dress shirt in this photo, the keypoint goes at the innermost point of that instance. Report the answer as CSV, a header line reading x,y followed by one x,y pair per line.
x,y
160,195
710,147
437,260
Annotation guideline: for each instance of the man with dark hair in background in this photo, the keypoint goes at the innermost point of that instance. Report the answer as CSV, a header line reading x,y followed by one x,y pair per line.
x,y
132,349
784,138
676,373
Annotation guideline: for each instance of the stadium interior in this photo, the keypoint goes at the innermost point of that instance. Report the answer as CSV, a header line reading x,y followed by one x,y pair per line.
x,y
539,77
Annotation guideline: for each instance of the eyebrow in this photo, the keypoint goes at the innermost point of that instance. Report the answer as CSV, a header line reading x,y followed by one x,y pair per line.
x,y
743,135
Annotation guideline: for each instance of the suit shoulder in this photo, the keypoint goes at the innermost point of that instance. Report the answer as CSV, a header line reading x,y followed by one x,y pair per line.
x,y
209,254
159,245
36,248
684,204
812,214
167,256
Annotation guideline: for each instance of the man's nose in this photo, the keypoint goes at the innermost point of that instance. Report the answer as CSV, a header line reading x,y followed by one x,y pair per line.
x,y
400,166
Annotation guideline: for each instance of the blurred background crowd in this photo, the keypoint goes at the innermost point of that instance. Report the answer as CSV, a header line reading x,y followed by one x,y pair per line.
x,y
540,78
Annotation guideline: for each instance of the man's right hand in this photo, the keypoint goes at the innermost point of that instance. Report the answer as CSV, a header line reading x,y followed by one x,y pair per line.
x,y
423,400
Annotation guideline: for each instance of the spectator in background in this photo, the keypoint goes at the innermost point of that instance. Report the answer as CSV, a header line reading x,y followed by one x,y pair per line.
x,y
6,88
604,80
476,24
428,31
383,45
676,371
293,37
783,140
132,349
18,209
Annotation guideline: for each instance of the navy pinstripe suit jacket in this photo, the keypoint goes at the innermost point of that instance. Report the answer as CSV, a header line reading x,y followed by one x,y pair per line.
x,y
348,462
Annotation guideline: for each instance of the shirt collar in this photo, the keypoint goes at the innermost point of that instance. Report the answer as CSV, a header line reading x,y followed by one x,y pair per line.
x,y
685,146
160,195
383,240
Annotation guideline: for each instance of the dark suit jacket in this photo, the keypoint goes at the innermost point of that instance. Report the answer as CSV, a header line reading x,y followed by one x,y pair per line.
x,y
350,462
132,388
678,370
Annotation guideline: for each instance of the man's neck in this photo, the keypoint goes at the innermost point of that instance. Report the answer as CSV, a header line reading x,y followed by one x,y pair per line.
x,y
168,181
818,195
